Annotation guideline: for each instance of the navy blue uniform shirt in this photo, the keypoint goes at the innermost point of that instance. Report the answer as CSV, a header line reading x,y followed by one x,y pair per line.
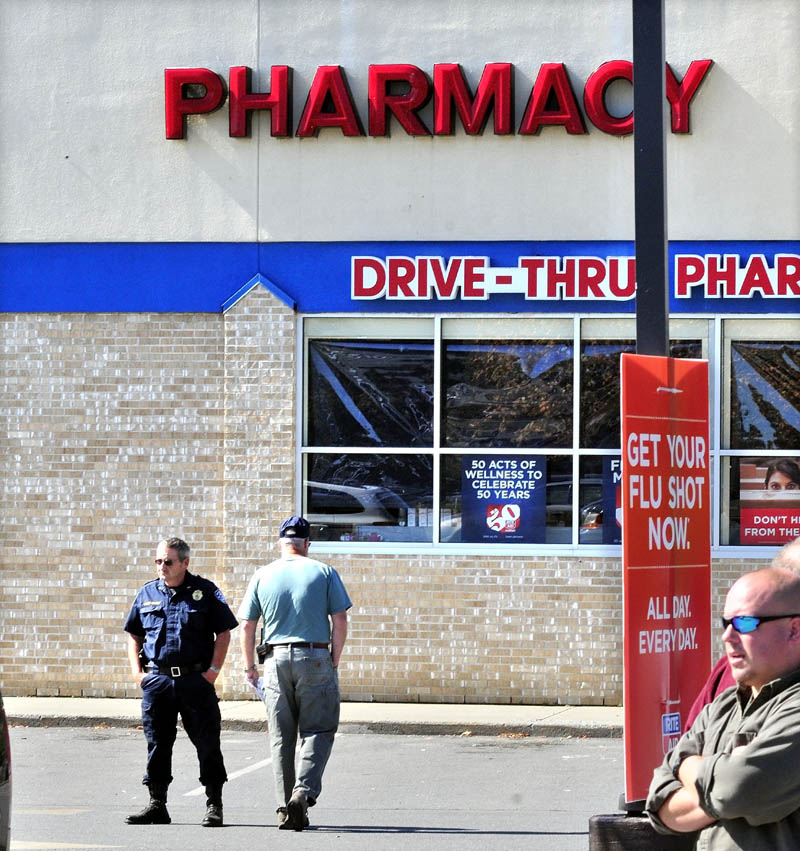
x,y
180,628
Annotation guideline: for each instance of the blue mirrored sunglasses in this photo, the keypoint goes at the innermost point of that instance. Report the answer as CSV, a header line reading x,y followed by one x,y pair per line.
x,y
750,623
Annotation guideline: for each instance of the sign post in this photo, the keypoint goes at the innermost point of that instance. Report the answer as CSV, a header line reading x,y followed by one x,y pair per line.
x,y
666,555
666,552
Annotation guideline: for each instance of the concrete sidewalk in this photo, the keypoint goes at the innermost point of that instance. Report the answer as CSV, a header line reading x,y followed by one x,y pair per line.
x,y
420,718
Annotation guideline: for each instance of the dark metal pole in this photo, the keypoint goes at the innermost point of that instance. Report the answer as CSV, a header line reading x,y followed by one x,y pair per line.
x,y
650,185
632,831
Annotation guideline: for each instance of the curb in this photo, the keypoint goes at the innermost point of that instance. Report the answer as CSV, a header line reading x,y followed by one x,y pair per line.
x,y
407,728
556,731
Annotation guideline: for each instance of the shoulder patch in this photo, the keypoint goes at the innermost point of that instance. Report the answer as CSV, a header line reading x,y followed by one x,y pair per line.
x,y
219,595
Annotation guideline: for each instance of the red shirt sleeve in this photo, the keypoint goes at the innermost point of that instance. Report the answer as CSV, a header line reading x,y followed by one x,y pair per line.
x,y
718,680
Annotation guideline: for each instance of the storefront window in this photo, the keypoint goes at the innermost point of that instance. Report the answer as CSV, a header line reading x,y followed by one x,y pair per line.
x,y
501,394
761,383
765,394
369,497
764,500
370,393
463,430
600,507
600,377
506,498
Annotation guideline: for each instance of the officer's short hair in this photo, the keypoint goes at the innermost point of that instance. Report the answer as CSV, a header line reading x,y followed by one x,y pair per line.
x,y
180,546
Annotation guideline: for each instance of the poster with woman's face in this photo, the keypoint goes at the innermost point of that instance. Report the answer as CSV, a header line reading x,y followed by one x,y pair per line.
x,y
769,490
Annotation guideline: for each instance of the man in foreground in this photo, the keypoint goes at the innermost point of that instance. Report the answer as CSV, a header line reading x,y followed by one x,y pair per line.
x,y
179,629
303,604
721,677
735,775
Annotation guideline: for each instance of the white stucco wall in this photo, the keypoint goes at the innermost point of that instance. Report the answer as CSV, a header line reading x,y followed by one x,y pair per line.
x,y
84,154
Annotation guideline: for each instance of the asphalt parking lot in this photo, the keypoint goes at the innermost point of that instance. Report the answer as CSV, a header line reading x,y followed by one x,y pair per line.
x,y
74,786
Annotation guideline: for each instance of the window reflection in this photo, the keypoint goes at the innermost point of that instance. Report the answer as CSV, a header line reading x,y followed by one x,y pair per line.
x,y
765,395
370,399
369,497
600,512
507,394
600,423
370,393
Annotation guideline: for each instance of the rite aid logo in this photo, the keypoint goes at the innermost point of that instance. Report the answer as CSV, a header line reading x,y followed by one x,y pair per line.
x,y
503,518
670,731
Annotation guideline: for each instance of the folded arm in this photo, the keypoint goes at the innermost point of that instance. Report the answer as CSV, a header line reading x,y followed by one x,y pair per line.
x,y
681,811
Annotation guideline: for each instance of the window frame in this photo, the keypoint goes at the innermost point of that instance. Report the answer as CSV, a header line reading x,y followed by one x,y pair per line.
x,y
727,328
709,328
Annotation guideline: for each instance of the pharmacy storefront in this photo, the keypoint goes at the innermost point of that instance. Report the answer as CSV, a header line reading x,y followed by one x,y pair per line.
x,y
264,266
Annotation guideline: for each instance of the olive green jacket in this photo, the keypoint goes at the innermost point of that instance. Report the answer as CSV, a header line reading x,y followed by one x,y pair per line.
x,y
754,793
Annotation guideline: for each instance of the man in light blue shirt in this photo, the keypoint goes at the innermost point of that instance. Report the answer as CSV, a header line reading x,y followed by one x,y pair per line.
x,y
303,606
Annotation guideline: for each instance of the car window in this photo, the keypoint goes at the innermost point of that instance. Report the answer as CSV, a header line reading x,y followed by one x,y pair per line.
x,y
332,502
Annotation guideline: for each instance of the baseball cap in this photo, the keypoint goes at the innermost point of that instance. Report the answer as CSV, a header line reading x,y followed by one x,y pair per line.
x,y
295,527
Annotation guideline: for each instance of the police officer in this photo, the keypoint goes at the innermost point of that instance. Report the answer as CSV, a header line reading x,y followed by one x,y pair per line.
x,y
179,629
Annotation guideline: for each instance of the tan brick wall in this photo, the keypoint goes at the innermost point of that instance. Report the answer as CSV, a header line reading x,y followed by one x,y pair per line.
x,y
260,376
119,429
458,629
112,435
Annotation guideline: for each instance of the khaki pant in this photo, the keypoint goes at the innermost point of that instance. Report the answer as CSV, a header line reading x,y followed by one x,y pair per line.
x,y
301,693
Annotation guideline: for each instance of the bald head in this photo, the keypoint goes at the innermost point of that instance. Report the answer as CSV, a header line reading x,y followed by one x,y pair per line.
x,y
771,650
774,588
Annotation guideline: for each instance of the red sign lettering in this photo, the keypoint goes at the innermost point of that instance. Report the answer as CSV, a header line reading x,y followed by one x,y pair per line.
x,y
680,94
570,278
552,86
451,89
329,103
329,86
723,277
243,101
595,93
179,104
403,107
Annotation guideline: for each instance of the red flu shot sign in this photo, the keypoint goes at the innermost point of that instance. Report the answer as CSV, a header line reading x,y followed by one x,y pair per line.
x,y
666,554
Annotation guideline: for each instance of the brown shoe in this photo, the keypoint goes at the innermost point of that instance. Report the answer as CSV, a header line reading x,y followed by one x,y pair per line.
x,y
297,812
283,820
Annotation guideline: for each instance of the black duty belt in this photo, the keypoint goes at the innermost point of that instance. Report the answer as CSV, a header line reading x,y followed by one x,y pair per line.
x,y
175,670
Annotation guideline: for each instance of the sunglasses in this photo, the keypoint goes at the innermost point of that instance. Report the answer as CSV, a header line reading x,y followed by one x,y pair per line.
x,y
750,623
167,562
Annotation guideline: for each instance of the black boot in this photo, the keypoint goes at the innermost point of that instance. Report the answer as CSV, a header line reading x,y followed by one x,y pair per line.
x,y
156,811
213,816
